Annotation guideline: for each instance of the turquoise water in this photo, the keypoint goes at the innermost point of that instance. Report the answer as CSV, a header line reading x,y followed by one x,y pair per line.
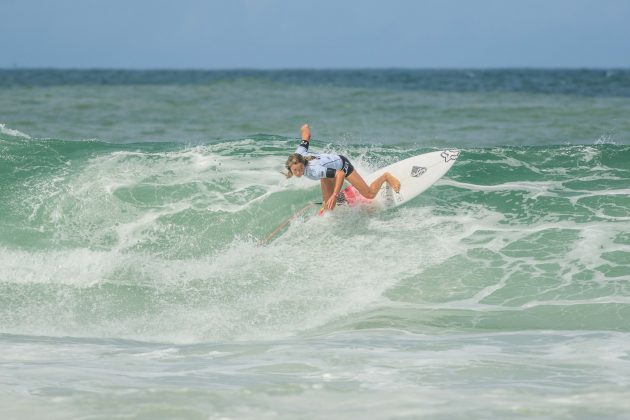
x,y
132,283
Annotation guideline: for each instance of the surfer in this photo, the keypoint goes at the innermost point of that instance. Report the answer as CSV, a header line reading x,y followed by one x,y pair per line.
x,y
331,170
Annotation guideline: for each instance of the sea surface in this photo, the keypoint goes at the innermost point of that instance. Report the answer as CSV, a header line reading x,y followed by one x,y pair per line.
x,y
136,280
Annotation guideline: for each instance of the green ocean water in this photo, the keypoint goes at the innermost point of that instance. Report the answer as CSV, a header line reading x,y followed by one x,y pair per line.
x,y
133,283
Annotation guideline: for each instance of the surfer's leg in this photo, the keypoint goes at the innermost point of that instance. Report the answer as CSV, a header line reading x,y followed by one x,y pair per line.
x,y
328,186
370,191
386,177
393,182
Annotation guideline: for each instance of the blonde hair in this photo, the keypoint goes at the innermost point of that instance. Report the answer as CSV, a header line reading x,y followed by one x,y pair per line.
x,y
293,159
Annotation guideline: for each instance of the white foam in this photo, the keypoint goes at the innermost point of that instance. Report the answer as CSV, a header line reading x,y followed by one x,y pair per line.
x,y
605,139
242,292
600,193
534,188
12,132
216,176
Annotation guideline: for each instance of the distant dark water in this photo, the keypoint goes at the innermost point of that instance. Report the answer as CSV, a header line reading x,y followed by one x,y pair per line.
x,y
612,82
424,108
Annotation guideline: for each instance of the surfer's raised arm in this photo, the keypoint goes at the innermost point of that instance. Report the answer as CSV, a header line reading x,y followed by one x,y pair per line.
x,y
302,149
306,133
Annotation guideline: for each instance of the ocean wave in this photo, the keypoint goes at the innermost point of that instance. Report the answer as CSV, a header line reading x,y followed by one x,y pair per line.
x,y
158,242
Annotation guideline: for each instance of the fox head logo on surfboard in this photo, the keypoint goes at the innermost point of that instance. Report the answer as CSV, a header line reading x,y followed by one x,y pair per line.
x,y
449,155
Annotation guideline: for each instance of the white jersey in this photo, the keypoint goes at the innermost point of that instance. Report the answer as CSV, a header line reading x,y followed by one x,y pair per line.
x,y
323,166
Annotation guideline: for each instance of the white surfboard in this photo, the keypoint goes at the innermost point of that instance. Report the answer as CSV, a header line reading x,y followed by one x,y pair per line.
x,y
415,174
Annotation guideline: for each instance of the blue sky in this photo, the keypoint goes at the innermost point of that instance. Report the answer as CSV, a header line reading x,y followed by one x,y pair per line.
x,y
268,34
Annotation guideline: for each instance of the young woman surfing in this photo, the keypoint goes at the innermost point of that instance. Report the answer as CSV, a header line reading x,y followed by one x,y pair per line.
x,y
332,170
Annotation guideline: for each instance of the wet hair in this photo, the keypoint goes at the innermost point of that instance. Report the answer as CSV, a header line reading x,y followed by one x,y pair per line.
x,y
293,159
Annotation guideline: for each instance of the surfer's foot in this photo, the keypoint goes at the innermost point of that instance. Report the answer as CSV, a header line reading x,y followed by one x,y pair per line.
x,y
393,182
306,132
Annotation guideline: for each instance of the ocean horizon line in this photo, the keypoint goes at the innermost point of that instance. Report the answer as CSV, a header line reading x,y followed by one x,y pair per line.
x,y
314,69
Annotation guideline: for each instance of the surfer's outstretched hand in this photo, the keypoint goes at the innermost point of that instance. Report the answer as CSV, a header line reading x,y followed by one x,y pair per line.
x,y
330,203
